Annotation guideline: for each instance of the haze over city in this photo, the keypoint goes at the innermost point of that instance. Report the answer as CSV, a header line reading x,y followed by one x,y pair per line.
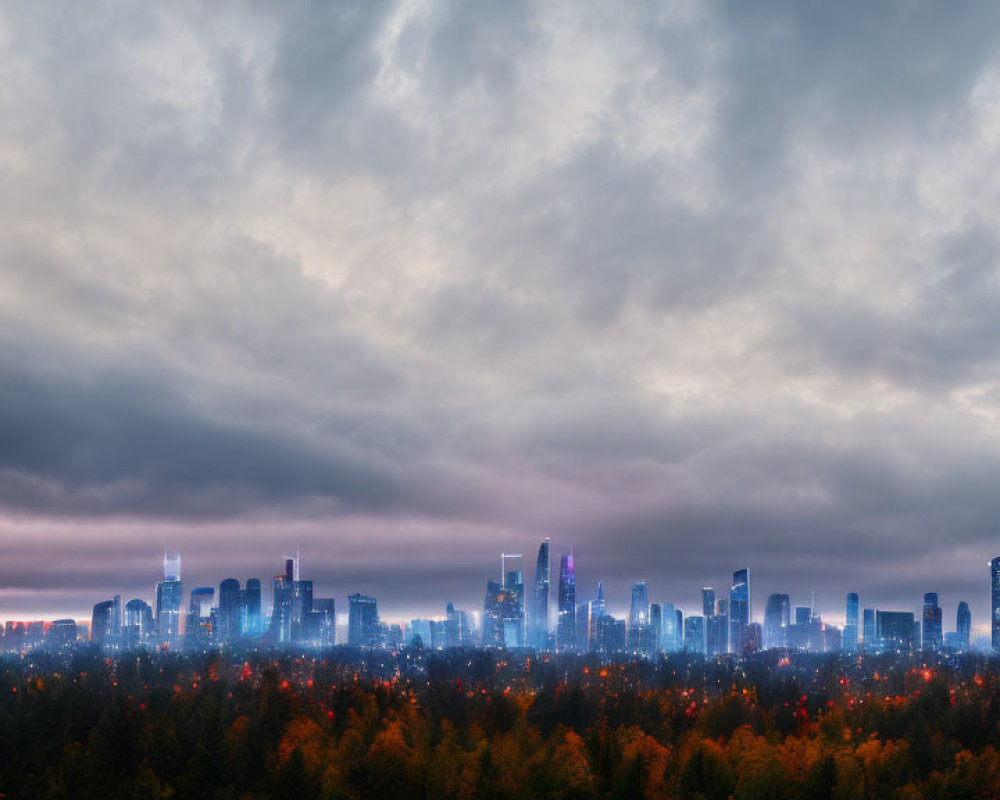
x,y
403,286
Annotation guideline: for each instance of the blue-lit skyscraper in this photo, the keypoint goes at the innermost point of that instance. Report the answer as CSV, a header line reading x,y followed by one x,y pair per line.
x,y
931,633
138,626
566,621
363,626
168,602
596,615
739,610
895,631
656,627
851,623
777,617
963,625
694,635
254,619
540,605
995,603
638,618
232,611
669,634
868,633
100,622
707,601
283,598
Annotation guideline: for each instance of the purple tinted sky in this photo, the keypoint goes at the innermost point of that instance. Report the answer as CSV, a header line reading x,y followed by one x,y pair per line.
x,y
408,285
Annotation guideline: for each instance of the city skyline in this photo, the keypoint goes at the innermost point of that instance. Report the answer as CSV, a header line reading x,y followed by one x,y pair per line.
x,y
709,596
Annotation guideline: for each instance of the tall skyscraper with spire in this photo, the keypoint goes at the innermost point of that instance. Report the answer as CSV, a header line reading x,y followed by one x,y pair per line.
x,y
540,606
566,623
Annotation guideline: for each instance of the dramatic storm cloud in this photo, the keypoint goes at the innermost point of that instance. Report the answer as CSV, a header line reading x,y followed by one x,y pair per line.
x,y
689,287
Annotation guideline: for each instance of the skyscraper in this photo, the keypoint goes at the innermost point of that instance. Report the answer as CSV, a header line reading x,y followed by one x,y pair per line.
x,y
669,635
168,601
776,620
540,606
638,617
100,622
656,627
963,625
283,599
931,634
895,631
254,619
198,627
566,621
851,623
694,635
739,610
995,603
869,635
596,615
707,601
363,626
232,611
503,608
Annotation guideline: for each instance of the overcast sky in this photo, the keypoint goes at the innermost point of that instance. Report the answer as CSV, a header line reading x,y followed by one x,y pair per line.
x,y
687,286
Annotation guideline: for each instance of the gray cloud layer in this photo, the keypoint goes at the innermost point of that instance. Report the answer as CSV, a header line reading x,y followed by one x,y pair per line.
x,y
408,284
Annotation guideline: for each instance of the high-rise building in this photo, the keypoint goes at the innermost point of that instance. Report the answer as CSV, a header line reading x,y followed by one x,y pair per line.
x,y
232,611
566,621
963,625
656,627
540,606
694,635
583,627
669,635
512,611
895,631
851,623
283,600
931,634
117,618
503,608
200,616
319,628
716,630
869,635
776,621
596,613
100,622
739,610
302,607
638,619
995,603
722,624
363,626
254,620
168,601
138,626
707,601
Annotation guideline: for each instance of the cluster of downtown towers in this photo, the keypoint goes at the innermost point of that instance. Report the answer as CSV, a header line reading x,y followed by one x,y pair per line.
x,y
297,617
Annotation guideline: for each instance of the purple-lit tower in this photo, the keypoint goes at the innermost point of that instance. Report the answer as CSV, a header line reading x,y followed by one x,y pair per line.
x,y
566,626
